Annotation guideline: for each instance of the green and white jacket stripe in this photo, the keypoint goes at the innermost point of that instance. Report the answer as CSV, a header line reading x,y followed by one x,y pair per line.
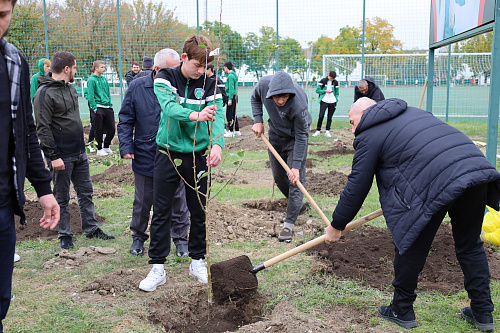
x,y
178,97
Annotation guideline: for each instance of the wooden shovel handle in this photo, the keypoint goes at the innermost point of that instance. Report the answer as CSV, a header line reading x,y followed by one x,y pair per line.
x,y
422,96
299,184
320,239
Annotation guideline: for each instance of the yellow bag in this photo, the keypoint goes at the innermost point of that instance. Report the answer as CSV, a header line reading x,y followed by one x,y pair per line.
x,y
491,221
492,237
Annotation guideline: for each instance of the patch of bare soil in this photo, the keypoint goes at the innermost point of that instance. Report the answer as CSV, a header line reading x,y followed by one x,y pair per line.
x,y
366,254
229,222
247,140
119,283
117,174
244,121
338,147
32,230
330,184
77,258
188,311
221,176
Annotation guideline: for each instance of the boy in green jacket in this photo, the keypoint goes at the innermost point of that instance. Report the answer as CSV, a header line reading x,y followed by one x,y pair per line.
x,y
328,91
99,99
233,128
191,111
43,68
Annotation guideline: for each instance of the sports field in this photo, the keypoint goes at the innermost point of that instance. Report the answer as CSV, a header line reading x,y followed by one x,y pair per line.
x,y
467,103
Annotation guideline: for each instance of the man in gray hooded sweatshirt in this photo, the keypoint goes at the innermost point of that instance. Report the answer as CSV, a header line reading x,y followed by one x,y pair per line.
x,y
289,121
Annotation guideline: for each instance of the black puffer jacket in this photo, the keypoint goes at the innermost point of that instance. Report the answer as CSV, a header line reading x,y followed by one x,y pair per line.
x,y
422,165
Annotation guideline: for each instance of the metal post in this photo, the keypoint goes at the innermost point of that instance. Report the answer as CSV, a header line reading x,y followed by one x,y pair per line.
x,y
46,31
363,43
277,40
492,131
448,83
197,17
120,76
430,80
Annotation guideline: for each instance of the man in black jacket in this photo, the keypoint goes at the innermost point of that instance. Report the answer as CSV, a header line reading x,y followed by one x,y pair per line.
x,y
132,72
61,136
368,88
20,155
137,128
425,169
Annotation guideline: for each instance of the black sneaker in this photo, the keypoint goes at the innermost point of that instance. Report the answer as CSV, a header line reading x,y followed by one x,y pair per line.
x,y
285,235
137,248
407,320
98,233
66,242
487,321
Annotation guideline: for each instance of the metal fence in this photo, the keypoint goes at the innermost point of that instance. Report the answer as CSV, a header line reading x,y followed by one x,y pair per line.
x,y
259,37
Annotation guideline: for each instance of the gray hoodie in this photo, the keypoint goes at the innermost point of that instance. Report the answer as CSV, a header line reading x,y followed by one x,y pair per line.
x,y
289,121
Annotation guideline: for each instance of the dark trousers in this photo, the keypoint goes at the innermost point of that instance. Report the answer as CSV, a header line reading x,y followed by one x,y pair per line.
x,y
331,110
166,181
104,123
76,171
143,201
232,120
7,248
284,147
466,215
92,125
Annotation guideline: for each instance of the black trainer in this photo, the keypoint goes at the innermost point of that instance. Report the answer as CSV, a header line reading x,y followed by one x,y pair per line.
x,y
486,323
407,320
285,235
98,233
137,248
66,242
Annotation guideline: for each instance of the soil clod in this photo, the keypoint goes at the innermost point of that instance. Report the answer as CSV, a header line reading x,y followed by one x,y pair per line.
x,y
232,280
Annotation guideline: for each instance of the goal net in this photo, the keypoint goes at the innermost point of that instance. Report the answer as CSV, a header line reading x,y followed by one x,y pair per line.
x,y
410,69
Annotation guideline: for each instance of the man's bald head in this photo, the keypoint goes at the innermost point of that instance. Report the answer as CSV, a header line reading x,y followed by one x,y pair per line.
x,y
357,109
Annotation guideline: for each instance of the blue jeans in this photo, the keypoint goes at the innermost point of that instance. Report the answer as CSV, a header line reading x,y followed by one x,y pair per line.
x,y
7,248
77,172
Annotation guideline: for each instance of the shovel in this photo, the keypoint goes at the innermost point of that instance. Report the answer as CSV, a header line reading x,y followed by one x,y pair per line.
x,y
234,278
299,184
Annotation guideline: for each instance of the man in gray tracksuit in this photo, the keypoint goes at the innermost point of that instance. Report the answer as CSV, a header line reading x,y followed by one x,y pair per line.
x,y
289,121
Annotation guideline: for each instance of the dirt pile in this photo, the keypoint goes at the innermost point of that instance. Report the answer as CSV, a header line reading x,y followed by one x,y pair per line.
x,y
220,176
32,230
330,184
338,147
188,311
232,280
366,254
73,259
118,283
117,174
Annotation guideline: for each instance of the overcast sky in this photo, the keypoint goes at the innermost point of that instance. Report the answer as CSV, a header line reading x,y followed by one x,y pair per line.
x,y
307,20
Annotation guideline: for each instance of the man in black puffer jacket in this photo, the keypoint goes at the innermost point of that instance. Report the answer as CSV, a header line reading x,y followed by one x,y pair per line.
x,y
425,169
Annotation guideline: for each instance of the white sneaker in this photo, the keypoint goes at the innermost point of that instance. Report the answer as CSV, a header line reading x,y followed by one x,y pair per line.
x,y
198,269
101,152
237,133
327,134
317,133
229,134
225,131
16,257
108,150
155,278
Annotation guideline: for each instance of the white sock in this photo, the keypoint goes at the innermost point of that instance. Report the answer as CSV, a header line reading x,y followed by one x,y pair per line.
x,y
289,226
159,267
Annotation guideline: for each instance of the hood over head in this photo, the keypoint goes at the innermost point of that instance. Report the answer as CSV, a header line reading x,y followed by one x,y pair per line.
x,y
40,66
281,83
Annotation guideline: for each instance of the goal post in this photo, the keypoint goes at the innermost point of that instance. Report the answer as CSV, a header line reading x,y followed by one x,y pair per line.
x,y
410,69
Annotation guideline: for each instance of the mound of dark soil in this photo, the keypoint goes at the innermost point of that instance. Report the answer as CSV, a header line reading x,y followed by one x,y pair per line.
x,y
277,204
118,174
245,121
191,313
338,148
32,230
366,254
330,184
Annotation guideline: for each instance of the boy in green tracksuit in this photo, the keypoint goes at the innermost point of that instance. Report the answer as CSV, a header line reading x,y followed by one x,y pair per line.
x,y
233,127
99,99
328,91
43,68
190,104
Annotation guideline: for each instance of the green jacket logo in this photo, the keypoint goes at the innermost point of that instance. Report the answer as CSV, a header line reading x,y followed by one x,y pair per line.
x,y
198,93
